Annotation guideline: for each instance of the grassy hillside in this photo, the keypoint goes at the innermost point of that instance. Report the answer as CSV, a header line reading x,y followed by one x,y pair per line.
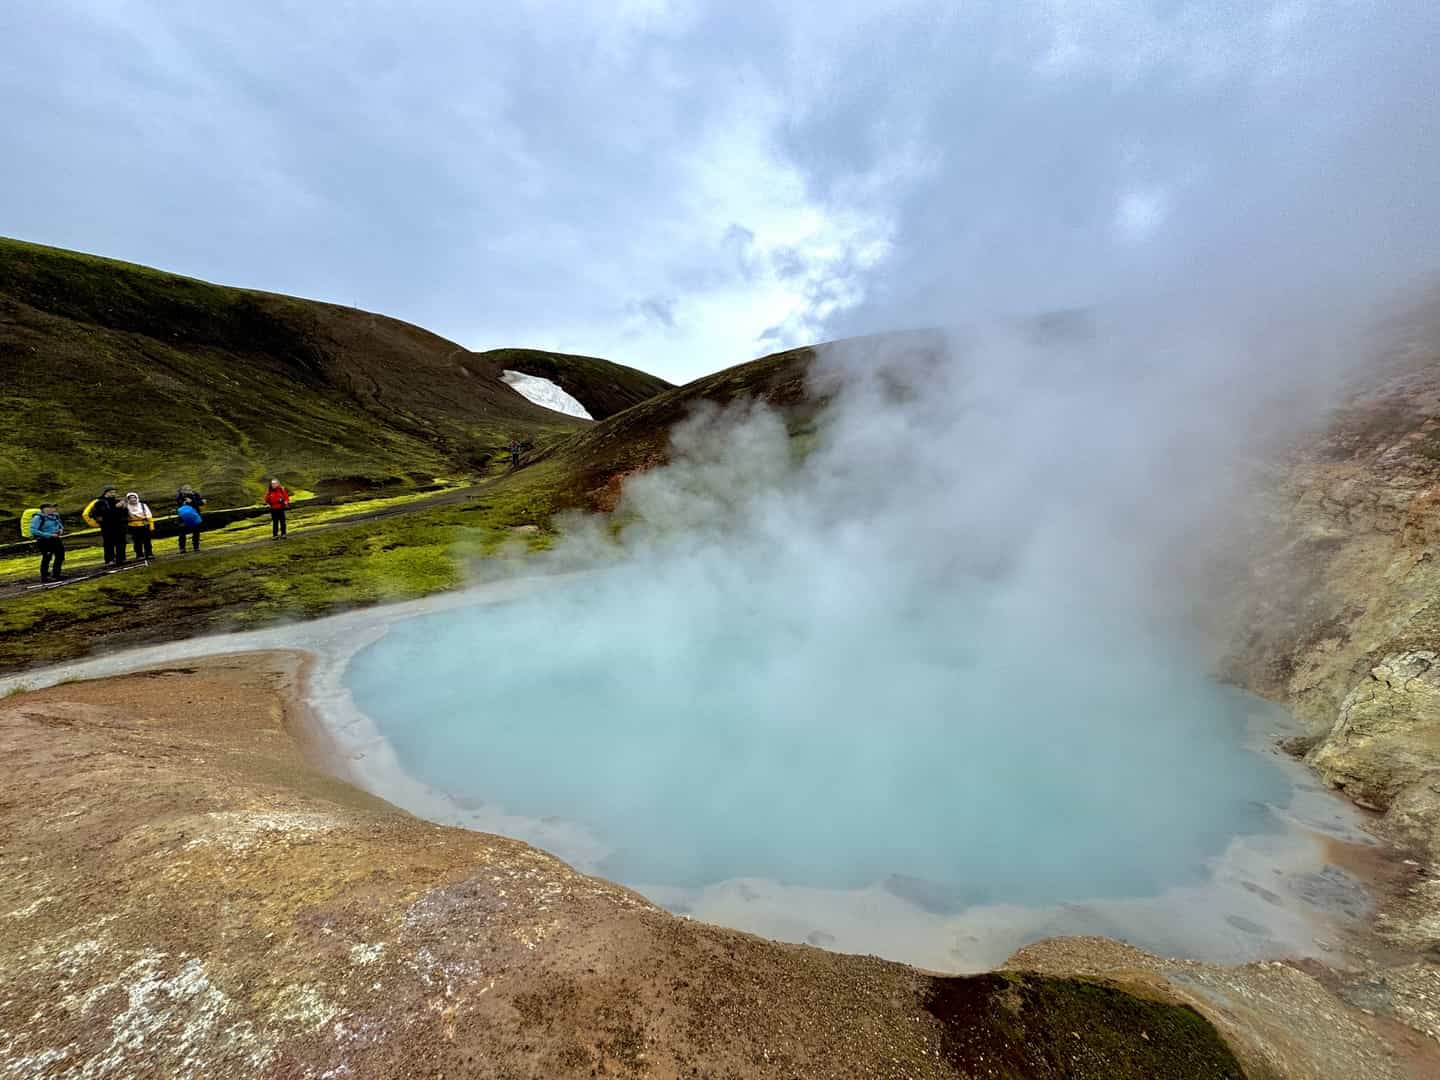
x,y
589,467
116,373
595,460
120,374
426,547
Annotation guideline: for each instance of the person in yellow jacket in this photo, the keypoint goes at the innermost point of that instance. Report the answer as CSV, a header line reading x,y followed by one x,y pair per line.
x,y
108,514
142,524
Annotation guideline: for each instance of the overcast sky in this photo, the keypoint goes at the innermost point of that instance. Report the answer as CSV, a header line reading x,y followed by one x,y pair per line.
x,y
684,185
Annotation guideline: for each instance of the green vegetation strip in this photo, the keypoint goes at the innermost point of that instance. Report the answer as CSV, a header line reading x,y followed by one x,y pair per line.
x,y
319,572
337,558
84,552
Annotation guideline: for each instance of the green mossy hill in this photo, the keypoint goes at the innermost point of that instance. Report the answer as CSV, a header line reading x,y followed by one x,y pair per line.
x,y
413,551
116,373
314,399
344,564
347,564
330,567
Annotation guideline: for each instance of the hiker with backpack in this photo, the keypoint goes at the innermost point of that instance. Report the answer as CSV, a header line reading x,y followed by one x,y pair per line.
x,y
108,514
46,529
188,502
278,499
142,524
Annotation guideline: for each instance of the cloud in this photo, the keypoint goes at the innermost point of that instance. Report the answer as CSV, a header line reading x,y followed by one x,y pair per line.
x,y
1140,212
1245,144
529,174
658,310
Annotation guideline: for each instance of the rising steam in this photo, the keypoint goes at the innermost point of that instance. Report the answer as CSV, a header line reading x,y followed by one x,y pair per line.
x,y
945,644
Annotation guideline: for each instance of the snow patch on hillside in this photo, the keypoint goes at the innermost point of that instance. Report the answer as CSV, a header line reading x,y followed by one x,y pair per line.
x,y
544,393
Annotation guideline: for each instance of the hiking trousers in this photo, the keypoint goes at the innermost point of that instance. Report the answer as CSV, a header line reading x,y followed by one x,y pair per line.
x,y
114,546
277,523
193,534
52,556
140,537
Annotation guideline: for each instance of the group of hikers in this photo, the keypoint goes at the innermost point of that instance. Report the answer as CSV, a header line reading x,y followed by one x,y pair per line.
x,y
128,522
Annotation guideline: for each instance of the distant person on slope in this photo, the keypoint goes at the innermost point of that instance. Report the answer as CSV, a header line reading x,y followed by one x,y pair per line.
x,y
108,514
514,453
47,529
188,502
142,524
278,499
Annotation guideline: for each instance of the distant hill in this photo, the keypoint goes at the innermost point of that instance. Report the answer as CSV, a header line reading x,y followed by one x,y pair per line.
x,y
596,461
117,373
591,466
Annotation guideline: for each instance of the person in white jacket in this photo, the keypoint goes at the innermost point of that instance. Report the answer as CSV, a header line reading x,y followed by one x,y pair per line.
x,y
142,524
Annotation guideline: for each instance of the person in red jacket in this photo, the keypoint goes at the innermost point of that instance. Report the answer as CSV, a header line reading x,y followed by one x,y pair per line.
x,y
278,499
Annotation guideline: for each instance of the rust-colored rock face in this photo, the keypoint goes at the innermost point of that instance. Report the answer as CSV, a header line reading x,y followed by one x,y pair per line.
x,y
1340,619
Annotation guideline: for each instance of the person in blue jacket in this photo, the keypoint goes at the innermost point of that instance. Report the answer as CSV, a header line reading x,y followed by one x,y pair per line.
x,y
47,529
188,502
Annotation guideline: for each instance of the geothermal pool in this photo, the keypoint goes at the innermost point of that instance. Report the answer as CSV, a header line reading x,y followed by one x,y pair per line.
x,y
814,780
940,793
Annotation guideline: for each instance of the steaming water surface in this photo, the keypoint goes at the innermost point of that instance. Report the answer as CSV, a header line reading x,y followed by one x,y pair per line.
x,y
952,758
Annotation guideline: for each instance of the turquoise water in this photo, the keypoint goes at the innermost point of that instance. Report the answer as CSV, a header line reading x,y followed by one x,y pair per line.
x,y
961,754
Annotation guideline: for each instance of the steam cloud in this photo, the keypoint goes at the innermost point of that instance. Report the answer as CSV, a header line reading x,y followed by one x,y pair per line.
x,y
957,641
949,644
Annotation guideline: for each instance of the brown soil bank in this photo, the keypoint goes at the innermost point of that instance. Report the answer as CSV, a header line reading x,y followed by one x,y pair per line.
x,y
186,894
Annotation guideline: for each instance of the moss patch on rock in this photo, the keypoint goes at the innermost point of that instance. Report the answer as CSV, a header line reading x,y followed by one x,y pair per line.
x,y
1029,1026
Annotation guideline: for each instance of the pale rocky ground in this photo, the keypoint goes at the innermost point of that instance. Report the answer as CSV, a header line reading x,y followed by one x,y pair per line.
x,y
1345,624
187,894
1382,746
